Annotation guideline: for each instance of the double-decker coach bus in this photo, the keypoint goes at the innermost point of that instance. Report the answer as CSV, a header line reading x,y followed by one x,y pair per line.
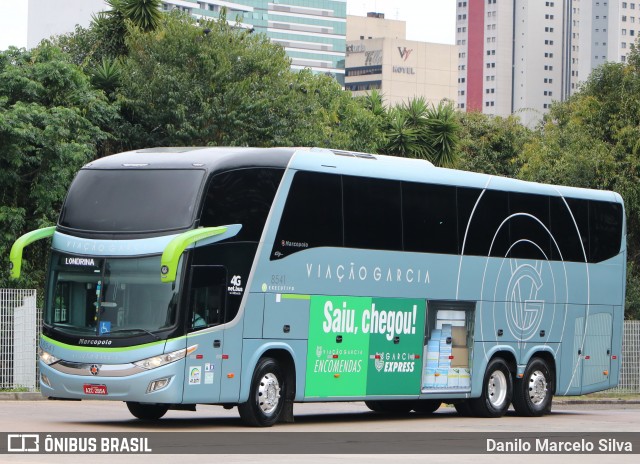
x,y
258,278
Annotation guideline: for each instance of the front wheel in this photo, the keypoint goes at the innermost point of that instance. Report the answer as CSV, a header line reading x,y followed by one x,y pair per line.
x,y
534,392
266,395
497,390
147,411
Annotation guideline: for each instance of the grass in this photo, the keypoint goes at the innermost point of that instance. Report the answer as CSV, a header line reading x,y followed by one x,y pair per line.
x,y
14,390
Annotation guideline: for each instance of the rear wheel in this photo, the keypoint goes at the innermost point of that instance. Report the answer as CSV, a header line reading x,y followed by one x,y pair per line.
x,y
497,390
266,396
147,411
533,393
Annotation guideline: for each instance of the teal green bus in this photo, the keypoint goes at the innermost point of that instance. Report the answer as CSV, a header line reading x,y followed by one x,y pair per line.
x,y
259,278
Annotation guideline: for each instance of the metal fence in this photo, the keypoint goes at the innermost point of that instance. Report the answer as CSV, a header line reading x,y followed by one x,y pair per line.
x,y
20,323
19,331
630,369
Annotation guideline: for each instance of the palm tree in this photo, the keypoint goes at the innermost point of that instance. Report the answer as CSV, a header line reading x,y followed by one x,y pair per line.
x,y
145,14
416,130
442,134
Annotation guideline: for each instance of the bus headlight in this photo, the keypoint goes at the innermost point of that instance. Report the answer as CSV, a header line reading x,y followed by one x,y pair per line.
x,y
167,358
47,358
158,384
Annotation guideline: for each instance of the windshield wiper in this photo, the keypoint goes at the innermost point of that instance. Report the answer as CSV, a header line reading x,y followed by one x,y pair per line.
x,y
132,330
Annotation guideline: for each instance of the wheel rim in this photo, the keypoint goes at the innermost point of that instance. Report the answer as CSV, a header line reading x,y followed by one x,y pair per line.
x,y
537,388
269,393
497,389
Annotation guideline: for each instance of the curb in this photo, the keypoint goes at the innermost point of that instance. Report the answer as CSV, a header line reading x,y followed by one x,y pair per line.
x,y
597,401
21,396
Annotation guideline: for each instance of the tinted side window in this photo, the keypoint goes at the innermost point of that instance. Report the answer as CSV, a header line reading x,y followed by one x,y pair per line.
x,y
312,216
242,197
580,210
429,218
566,242
466,199
487,236
529,238
605,230
372,213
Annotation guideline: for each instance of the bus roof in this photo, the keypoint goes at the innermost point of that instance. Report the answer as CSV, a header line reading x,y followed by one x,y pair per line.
x,y
329,160
209,158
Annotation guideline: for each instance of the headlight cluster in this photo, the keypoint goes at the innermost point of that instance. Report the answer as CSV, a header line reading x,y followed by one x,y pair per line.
x,y
163,359
47,358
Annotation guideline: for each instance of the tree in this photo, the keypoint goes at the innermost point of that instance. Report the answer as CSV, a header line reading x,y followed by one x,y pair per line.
x,y
51,123
491,144
416,130
216,84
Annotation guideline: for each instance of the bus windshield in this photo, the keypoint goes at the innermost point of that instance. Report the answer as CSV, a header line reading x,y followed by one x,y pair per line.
x,y
115,297
131,201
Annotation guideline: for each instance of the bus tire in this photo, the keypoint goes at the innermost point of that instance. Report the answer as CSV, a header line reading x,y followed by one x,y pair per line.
x,y
147,411
390,406
426,406
497,390
533,393
266,395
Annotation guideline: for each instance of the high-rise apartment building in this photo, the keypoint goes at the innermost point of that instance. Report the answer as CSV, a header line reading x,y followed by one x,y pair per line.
x,y
517,56
25,23
312,32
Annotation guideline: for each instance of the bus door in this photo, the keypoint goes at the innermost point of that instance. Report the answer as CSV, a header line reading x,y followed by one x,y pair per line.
x,y
596,353
586,355
205,315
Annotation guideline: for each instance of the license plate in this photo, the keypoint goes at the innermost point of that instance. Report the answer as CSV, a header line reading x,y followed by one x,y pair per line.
x,y
95,389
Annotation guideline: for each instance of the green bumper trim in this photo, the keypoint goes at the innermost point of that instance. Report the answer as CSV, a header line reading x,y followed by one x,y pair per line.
x,y
173,251
15,257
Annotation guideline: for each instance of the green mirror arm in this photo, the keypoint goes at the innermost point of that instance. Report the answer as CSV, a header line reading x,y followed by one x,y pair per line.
x,y
173,250
15,256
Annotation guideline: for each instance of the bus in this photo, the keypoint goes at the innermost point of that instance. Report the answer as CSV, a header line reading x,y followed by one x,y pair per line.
x,y
264,277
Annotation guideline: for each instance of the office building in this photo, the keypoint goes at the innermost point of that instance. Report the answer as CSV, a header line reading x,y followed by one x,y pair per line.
x,y
312,32
24,23
379,57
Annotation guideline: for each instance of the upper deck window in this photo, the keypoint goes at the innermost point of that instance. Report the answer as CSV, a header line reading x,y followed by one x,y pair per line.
x,y
133,200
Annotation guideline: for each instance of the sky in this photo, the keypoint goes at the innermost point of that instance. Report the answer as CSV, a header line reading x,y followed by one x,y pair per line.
x,y
427,20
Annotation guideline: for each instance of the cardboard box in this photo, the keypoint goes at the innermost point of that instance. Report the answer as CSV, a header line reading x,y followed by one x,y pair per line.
x,y
429,380
459,336
442,377
460,357
454,377
465,378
